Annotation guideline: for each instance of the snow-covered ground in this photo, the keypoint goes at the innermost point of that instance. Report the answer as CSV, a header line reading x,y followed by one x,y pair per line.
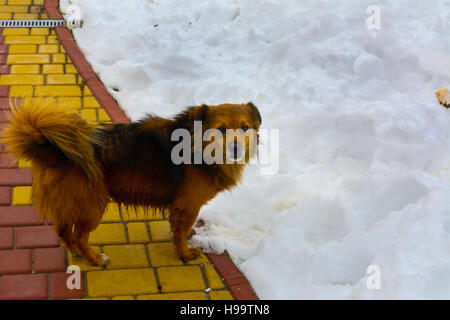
x,y
364,173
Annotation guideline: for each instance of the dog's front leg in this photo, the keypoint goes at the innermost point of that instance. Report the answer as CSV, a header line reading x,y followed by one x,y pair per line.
x,y
181,222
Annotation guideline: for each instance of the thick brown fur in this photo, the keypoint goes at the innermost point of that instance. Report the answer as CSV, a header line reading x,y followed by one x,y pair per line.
x,y
79,167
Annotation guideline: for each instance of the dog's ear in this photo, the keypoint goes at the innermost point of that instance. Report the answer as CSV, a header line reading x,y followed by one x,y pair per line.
x,y
187,118
254,112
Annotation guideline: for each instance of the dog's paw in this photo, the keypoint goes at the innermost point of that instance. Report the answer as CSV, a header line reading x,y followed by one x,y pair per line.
x,y
105,258
191,233
190,254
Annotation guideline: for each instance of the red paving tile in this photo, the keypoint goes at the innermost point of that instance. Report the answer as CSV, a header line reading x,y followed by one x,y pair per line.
x,y
6,238
18,216
243,291
15,261
36,237
24,286
6,161
4,69
4,91
59,289
3,49
49,260
15,177
5,196
4,104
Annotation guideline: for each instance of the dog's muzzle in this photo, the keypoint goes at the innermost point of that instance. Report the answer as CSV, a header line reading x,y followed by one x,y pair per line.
x,y
235,151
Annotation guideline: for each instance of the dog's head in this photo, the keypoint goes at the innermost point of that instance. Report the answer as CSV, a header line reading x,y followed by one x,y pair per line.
x,y
232,129
228,132
223,137
223,134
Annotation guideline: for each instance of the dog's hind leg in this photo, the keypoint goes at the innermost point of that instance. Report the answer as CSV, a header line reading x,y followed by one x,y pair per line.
x,y
88,220
65,233
81,235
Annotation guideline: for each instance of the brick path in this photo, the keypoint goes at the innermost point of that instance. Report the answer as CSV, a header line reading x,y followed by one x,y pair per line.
x,y
144,265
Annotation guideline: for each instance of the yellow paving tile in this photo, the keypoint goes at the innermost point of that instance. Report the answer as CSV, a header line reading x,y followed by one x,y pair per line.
x,y
112,213
110,283
220,295
25,16
25,69
214,280
160,231
20,91
126,256
39,31
73,103
58,58
13,8
21,196
35,9
22,48
89,114
21,79
24,40
24,164
19,2
108,233
27,58
87,91
71,69
137,232
48,48
163,254
5,16
61,79
103,116
200,259
198,295
16,31
123,298
90,102
69,91
183,278
52,68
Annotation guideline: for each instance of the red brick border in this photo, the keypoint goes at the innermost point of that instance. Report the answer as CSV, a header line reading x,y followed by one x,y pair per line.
x,y
235,280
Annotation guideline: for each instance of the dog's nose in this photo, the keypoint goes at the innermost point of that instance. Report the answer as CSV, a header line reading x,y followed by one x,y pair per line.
x,y
235,151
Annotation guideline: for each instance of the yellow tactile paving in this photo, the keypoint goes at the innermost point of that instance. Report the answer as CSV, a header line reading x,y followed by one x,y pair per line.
x,y
144,264
21,196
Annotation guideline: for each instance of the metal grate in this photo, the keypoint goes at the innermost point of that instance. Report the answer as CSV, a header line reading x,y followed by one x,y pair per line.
x,y
31,23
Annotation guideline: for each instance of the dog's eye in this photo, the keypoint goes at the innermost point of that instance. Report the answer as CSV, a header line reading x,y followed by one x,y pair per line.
x,y
222,129
244,128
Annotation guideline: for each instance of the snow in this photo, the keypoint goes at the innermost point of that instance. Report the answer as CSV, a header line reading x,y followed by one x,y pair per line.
x,y
364,146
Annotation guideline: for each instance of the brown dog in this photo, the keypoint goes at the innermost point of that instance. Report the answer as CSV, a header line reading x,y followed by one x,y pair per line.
x,y
79,167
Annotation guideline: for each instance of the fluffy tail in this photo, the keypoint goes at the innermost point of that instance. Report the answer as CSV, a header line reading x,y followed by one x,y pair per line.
x,y
49,136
